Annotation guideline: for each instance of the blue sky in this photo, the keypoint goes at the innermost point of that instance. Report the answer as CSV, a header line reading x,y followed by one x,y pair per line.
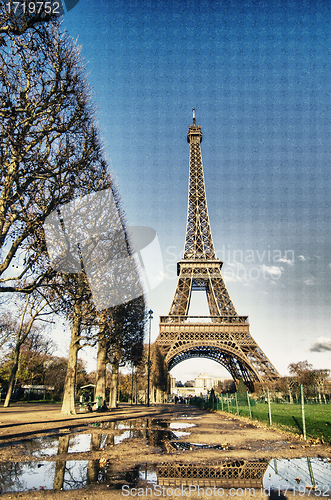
x,y
258,74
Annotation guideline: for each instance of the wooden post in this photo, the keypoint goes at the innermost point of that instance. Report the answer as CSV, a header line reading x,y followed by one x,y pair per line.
x,y
303,413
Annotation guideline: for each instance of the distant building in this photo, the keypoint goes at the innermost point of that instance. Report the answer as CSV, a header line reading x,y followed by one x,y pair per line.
x,y
38,390
204,381
200,386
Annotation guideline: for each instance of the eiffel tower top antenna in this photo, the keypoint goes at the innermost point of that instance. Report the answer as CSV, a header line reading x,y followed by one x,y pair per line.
x,y
198,240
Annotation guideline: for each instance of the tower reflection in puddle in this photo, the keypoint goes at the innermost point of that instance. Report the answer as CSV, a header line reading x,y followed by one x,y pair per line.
x,y
297,474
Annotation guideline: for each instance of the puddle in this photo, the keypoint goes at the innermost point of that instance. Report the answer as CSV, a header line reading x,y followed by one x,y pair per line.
x,y
79,443
126,435
177,425
180,434
48,446
187,417
301,475
25,476
181,445
132,423
71,443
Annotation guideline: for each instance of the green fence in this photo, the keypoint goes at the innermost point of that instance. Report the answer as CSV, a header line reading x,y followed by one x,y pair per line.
x,y
311,420
224,402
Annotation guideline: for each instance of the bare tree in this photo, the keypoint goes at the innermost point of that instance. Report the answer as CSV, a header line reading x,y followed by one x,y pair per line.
x,y
301,373
35,308
49,150
51,156
319,381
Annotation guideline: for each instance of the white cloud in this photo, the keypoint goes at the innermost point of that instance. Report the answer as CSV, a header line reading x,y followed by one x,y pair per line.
x,y
231,277
238,265
302,258
310,281
321,344
274,271
286,261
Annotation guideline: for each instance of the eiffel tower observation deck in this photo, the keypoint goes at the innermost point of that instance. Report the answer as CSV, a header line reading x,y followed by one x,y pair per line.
x,y
223,336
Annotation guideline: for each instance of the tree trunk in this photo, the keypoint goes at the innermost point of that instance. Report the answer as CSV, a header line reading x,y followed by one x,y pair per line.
x,y
100,389
12,376
93,465
113,385
68,403
61,465
132,395
19,340
158,395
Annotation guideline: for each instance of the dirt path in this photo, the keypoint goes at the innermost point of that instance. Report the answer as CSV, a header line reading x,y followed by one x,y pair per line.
x,y
25,420
237,438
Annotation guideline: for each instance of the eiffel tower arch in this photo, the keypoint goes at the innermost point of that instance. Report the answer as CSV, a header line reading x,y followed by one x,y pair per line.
x,y
223,336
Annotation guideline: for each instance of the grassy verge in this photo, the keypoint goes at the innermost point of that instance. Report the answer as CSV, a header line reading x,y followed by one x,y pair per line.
x,y
289,417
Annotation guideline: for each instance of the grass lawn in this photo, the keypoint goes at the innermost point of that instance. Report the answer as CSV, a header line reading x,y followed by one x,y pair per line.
x,y
289,417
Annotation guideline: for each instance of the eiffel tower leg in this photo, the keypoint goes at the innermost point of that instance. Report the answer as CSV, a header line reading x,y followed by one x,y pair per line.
x,y
238,370
212,302
222,297
181,303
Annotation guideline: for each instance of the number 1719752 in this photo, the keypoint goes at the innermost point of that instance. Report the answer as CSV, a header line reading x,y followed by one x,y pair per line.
x,y
33,7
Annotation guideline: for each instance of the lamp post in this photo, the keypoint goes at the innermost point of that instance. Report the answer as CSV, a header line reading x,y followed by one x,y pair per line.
x,y
150,312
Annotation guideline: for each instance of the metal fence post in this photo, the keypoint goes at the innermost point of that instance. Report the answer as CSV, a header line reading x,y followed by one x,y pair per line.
x,y
311,473
235,395
249,406
222,402
303,413
269,408
227,398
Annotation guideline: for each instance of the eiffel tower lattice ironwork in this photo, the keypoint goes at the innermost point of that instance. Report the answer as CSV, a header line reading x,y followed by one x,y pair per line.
x,y
224,335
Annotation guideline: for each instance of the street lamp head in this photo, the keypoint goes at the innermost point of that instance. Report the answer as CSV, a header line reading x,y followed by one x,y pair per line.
x,y
150,312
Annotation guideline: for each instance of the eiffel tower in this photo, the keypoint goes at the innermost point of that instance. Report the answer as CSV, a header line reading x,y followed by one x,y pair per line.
x,y
223,336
